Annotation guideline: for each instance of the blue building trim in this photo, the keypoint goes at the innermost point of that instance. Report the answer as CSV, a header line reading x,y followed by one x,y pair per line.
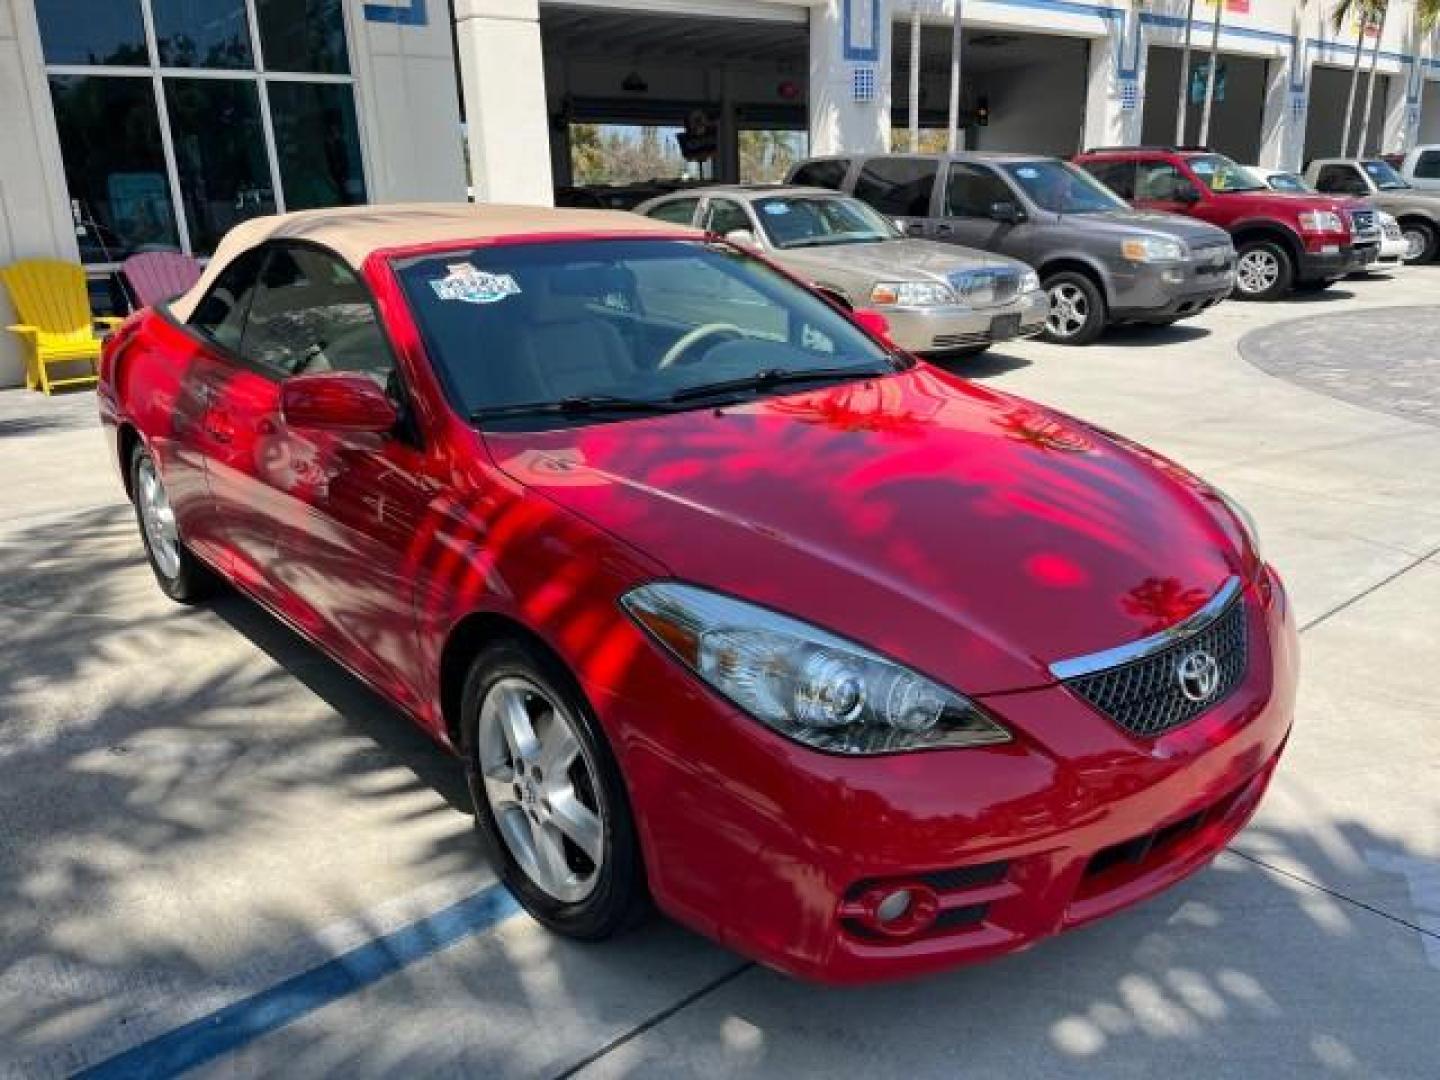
x,y
864,54
409,13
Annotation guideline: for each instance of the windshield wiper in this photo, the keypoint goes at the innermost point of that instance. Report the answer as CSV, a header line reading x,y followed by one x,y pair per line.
x,y
580,405
763,380
835,238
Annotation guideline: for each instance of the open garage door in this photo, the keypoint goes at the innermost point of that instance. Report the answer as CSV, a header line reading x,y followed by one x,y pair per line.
x,y
1430,113
644,101
1325,122
1023,92
1237,113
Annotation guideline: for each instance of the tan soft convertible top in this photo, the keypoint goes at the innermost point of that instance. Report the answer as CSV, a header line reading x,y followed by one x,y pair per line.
x,y
355,232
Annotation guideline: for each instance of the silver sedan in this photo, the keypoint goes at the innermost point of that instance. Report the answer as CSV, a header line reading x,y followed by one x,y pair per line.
x,y
938,298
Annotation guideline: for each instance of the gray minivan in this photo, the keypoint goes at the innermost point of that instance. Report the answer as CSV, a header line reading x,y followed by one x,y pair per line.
x,y
1100,261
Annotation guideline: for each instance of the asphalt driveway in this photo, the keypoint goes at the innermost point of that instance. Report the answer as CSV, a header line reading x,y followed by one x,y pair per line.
x,y
218,852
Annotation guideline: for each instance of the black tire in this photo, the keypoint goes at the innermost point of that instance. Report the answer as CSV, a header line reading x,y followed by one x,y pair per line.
x,y
619,897
1077,309
182,577
1427,240
1278,277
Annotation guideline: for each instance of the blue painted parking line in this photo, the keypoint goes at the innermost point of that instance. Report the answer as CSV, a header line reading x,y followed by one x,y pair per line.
x,y
244,1021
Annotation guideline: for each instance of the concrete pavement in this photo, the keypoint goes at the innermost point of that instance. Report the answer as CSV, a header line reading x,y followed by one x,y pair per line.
x,y
196,807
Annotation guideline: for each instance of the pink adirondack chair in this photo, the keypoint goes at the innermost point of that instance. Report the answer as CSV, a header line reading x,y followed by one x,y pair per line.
x,y
156,276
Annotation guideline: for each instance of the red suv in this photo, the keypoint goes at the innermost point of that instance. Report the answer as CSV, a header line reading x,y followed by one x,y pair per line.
x,y
1283,241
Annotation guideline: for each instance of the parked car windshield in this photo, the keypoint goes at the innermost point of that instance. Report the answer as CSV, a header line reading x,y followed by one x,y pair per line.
x,y
795,221
1286,181
1222,175
1061,188
1385,177
544,335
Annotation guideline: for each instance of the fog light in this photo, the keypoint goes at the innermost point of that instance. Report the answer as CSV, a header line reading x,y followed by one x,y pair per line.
x,y
1173,276
894,906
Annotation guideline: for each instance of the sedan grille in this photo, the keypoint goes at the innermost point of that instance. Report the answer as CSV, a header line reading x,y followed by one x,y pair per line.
x,y
982,288
1162,689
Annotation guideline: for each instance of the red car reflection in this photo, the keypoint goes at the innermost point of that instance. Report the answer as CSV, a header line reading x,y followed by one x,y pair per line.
x,y
852,665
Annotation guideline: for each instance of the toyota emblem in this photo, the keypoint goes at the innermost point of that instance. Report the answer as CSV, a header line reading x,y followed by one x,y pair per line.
x,y
1198,675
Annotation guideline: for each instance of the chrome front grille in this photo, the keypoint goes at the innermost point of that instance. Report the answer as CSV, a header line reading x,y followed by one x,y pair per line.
x,y
1363,224
1154,686
985,287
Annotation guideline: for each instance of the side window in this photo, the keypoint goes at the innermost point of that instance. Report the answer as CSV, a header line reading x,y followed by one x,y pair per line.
x,y
310,314
1341,180
220,315
1160,181
973,189
679,212
725,216
827,174
898,186
1118,176
1427,167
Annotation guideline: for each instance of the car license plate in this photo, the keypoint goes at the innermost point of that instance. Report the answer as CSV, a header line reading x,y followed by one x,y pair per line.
x,y
1004,326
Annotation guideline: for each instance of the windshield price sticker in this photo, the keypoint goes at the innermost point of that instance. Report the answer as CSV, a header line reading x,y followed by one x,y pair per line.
x,y
472,286
1204,168
776,209
1025,172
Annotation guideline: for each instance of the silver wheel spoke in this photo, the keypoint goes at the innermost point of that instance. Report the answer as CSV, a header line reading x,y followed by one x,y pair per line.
x,y
515,724
577,821
559,748
555,871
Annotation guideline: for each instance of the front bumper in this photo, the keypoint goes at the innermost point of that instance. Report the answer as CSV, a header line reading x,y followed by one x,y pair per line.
x,y
1162,292
771,848
928,330
1335,261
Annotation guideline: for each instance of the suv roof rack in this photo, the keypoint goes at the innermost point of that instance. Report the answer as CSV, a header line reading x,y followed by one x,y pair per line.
x,y
1152,147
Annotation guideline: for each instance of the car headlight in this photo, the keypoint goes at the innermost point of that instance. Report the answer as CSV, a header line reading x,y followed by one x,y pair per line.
x,y
1152,249
912,294
1246,519
1030,281
803,682
1320,221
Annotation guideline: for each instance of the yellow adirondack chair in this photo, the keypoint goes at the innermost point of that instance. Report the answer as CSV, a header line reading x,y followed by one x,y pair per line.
x,y
55,321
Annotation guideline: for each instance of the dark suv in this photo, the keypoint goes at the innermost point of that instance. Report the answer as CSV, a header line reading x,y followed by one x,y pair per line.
x,y
1283,241
1100,262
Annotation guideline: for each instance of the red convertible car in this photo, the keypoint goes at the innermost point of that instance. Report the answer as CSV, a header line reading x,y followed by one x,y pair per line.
x,y
855,666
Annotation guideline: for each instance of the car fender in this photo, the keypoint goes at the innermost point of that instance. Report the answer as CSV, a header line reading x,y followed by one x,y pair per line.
x,y
1078,258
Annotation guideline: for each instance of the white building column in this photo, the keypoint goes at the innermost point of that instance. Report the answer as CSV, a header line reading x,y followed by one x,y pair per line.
x,y
1115,85
1282,123
850,76
502,75
1402,109
34,218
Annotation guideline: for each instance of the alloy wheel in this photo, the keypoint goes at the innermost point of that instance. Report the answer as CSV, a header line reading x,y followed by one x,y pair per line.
x,y
161,534
1415,243
1069,310
542,789
1257,271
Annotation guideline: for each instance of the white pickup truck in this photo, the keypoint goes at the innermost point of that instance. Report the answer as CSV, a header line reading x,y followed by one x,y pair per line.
x,y
1421,167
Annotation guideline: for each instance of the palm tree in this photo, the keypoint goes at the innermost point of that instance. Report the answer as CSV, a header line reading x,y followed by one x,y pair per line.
x,y
1384,9
1361,10
1184,76
954,137
1214,63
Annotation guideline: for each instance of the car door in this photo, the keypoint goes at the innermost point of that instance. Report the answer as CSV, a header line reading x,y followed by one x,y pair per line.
x,y
1342,179
1118,176
675,211
725,216
901,188
969,215
344,507
1162,185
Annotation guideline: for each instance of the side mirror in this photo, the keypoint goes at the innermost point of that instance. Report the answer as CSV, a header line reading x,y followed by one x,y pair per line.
x,y
1187,195
873,321
337,401
742,237
1006,212
901,225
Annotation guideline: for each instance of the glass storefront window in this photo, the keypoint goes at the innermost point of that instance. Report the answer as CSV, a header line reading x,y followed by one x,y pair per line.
x,y
114,165
202,33
303,35
92,32
220,155
317,143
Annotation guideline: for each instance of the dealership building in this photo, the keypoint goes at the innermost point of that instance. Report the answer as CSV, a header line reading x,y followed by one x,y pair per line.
x,y
133,125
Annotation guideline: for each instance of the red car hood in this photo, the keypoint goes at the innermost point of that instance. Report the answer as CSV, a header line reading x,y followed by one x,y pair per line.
x,y
973,535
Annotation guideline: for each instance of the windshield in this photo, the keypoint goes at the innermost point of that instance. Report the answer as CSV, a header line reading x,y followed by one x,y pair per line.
x,y
1061,188
576,332
1385,177
1221,175
794,221
1288,182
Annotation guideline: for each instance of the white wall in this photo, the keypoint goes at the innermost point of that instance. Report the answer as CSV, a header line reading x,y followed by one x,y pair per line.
x,y
33,218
